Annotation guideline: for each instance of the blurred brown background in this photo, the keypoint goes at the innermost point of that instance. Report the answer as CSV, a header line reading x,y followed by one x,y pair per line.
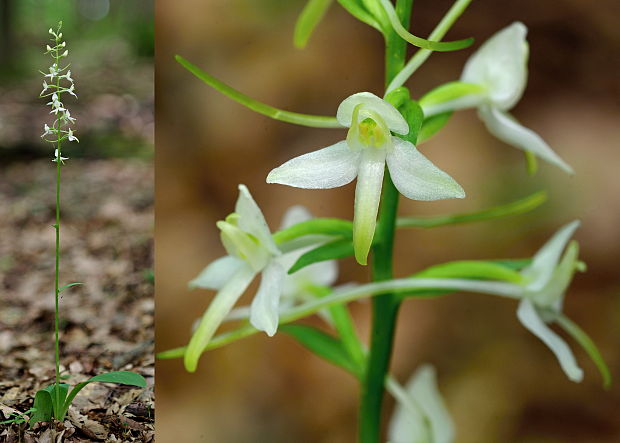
x,y
500,382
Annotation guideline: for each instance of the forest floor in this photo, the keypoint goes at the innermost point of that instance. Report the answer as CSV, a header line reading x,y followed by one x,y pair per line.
x,y
106,323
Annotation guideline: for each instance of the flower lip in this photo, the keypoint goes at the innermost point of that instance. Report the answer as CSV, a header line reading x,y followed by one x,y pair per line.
x,y
371,103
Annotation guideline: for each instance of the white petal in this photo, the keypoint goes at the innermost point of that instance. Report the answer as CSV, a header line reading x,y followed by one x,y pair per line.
x,y
501,65
407,424
294,215
552,295
529,317
219,308
506,128
423,388
416,177
217,273
545,261
326,168
264,313
394,120
252,220
367,197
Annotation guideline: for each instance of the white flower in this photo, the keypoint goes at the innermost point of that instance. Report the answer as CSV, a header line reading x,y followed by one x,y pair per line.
x,y
45,87
71,137
420,415
67,116
71,90
369,146
499,70
47,130
301,285
541,293
56,157
547,279
53,71
68,76
251,250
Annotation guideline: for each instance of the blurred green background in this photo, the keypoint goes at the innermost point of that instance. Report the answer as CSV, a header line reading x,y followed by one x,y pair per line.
x,y
500,382
111,48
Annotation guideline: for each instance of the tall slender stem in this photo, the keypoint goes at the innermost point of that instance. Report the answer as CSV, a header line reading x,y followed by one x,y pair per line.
x,y
57,227
384,307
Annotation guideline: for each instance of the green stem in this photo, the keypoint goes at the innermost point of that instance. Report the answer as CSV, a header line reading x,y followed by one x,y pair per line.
x,y
57,268
421,55
384,307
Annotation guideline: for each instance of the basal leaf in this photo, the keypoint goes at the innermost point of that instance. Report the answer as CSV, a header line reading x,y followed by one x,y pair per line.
x,y
119,377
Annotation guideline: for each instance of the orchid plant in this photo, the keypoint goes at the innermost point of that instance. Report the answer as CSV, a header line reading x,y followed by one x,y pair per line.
x,y
53,401
381,151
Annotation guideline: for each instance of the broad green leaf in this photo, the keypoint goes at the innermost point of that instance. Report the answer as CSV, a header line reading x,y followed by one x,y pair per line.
x,y
516,207
432,125
119,377
483,270
323,345
67,286
314,121
449,92
43,407
418,41
357,10
310,16
413,114
48,402
588,345
316,226
330,251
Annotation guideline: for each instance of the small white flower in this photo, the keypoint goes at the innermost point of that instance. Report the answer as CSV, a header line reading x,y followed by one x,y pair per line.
x,y
71,90
71,137
66,53
57,157
47,130
420,415
68,76
251,250
45,87
53,71
541,293
67,116
369,146
499,69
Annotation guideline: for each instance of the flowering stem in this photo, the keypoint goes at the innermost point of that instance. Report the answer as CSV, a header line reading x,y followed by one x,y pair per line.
x,y
57,228
384,307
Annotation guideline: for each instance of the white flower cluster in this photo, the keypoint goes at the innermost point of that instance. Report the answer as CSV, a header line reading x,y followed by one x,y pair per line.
x,y
56,82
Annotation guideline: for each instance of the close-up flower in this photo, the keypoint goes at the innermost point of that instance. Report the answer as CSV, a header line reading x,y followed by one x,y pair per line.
x,y
368,148
493,81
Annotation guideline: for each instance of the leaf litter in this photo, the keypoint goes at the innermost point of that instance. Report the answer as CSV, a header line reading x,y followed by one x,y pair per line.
x,y
106,323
